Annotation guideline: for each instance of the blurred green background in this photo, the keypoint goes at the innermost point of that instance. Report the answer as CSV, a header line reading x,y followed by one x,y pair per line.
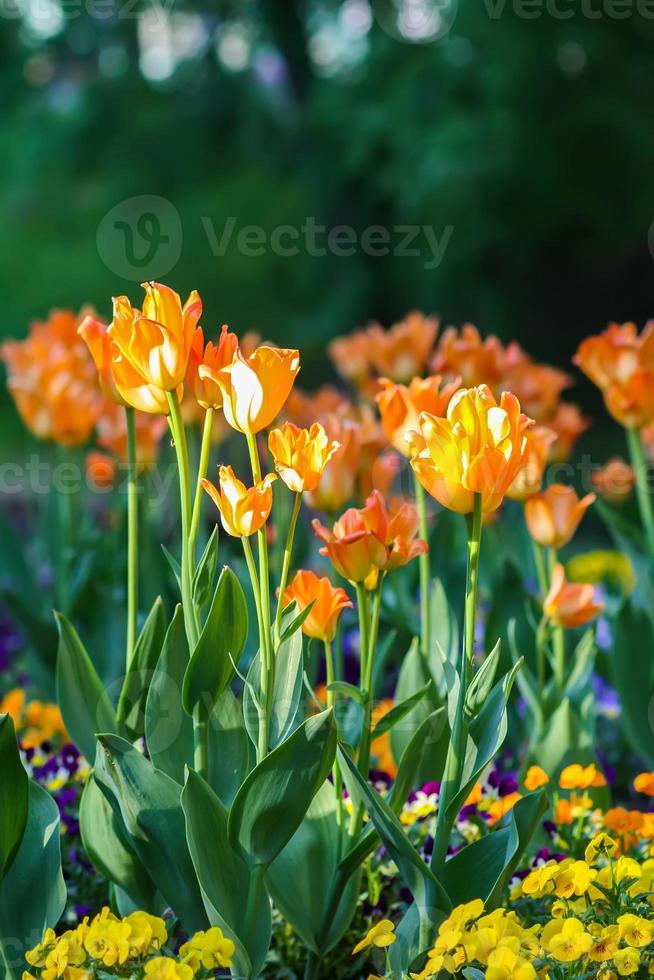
x,y
524,128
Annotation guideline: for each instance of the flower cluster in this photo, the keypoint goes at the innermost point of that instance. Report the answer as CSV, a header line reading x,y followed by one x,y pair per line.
x,y
36,721
133,946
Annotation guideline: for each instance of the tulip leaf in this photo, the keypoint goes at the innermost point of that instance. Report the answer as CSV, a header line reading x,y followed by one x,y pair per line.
x,y
315,848
205,573
287,691
347,691
275,797
633,676
130,711
415,675
224,877
32,893
427,891
168,729
107,845
148,804
482,682
85,706
296,622
175,566
15,795
229,748
219,648
399,711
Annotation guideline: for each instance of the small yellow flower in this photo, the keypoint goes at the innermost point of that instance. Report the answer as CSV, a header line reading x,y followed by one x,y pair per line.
x,y
164,968
605,944
381,935
635,930
566,939
210,949
626,961
573,878
601,844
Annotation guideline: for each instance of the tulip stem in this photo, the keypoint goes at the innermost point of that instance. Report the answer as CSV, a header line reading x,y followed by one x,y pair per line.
x,y
286,563
451,783
267,663
336,771
262,747
132,534
425,575
200,742
181,451
541,571
641,469
558,635
203,463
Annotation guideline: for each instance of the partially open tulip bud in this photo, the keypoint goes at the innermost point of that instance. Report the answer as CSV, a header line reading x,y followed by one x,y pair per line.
x,y
479,447
328,604
156,341
364,542
205,390
615,481
243,510
530,478
553,516
255,388
620,361
337,486
402,351
570,604
301,455
400,406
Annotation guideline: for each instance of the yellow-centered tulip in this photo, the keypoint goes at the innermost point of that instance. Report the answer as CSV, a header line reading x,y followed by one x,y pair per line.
x,y
479,447
243,510
301,454
255,388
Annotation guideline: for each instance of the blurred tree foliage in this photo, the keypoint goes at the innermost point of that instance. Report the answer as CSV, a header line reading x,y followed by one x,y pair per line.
x,y
531,138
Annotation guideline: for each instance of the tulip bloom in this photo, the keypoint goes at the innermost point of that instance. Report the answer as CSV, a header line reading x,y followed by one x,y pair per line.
x,y
255,388
301,454
479,447
338,481
103,351
243,510
530,478
570,604
621,363
328,604
364,542
402,351
615,480
400,406
553,516
156,341
206,391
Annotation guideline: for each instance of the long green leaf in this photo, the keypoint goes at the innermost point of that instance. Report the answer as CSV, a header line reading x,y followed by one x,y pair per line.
x,y
130,711
84,704
168,729
274,799
14,797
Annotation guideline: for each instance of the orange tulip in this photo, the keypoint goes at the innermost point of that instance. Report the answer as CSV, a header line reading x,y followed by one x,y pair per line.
x,y
156,341
553,516
100,469
301,454
243,510
570,604
53,380
255,388
402,351
400,406
464,354
621,363
328,604
371,539
615,480
530,478
479,447
214,356
338,481
568,424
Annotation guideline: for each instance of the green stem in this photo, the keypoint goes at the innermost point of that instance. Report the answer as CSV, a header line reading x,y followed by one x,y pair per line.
x,y
262,747
181,451
132,534
286,564
203,463
364,760
336,771
200,742
640,467
451,783
558,634
256,884
541,571
423,561
312,966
